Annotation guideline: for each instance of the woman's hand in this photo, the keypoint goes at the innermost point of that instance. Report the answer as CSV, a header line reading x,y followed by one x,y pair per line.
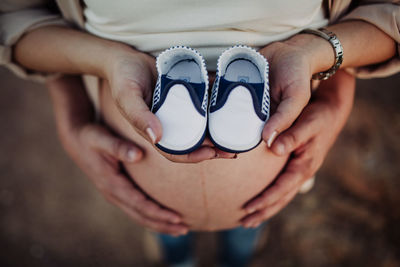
x,y
99,153
309,140
131,77
290,73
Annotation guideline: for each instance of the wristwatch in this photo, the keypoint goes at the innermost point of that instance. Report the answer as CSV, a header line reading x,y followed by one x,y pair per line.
x,y
337,47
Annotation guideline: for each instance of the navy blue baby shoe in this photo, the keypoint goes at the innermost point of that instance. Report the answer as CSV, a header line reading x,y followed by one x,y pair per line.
x,y
180,99
239,105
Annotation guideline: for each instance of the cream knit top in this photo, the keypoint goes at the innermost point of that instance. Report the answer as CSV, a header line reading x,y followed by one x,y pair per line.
x,y
208,26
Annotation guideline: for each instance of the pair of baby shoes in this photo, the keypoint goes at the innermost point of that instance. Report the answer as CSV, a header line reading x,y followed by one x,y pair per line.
x,y
236,112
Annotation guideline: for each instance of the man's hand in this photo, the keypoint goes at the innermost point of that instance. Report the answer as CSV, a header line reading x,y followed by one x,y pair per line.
x,y
309,140
99,153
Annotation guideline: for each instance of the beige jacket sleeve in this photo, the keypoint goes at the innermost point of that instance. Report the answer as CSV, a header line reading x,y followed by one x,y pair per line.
x,y
386,16
17,18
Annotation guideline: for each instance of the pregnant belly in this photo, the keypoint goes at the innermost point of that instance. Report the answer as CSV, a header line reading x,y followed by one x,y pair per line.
x,y
209,195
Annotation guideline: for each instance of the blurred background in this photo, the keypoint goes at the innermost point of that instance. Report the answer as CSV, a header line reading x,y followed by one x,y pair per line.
x,y
51,215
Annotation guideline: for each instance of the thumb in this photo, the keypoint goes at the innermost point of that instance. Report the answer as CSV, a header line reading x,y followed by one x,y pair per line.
x,y
294,98
99,138
299,134
132,105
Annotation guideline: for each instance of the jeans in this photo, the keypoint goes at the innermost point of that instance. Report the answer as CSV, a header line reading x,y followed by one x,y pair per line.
x,y
236,247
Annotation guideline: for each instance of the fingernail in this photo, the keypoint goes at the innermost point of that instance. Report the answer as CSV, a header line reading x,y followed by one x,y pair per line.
x,y
250,225
175,220
250,210
271,138
246,225
184,232
151,135
280,149
132,155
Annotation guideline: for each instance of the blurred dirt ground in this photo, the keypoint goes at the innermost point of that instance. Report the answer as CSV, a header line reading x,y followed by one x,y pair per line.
x,y
51,215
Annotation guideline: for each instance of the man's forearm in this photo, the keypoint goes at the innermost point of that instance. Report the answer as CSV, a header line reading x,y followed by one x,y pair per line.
x,y
338,92
71,103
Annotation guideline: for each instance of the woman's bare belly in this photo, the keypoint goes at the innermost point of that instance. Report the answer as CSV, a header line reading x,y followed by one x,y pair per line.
x,y
209,195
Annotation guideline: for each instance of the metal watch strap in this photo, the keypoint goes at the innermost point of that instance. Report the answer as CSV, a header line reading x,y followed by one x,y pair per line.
x,y
337,47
